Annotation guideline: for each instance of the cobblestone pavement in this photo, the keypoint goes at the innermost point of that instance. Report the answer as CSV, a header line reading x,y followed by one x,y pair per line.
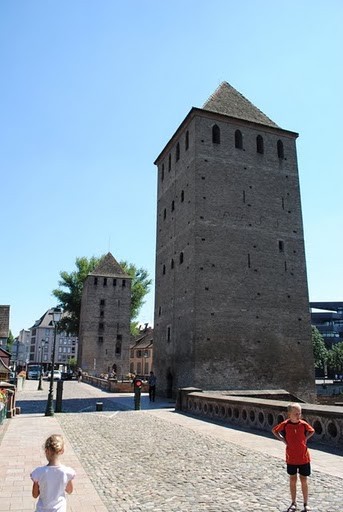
x,y
139,461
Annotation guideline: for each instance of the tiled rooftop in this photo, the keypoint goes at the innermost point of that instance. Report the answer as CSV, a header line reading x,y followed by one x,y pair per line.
x,y
226,100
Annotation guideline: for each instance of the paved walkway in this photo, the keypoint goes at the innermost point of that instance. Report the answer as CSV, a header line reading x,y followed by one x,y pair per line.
x,y
153,459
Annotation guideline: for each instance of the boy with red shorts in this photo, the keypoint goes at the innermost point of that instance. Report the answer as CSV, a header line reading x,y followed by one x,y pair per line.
x,y
295,432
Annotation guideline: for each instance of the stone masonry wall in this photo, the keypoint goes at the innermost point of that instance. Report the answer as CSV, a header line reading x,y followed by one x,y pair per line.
x,y
262,414
105,322
4,321
230,314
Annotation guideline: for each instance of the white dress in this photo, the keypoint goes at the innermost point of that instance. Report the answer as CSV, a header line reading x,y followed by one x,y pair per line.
x,y
52,481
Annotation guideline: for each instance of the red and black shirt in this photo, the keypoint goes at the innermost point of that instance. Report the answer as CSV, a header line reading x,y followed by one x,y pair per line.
x,y
295,436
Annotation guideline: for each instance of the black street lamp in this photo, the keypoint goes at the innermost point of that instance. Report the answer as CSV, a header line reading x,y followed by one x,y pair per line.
x,y
145,357
49,411
40,384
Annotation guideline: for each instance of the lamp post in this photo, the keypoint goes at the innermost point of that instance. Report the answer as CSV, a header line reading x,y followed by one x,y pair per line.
x,y
144,358
40,384
49,411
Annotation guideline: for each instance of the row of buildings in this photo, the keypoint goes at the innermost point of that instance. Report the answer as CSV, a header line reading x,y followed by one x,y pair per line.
x,y
35,345
328,318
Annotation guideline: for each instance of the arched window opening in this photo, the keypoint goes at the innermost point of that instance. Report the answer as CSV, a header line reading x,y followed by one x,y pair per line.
x,y
118,344
169,163
177,154
163,269
172,264
187,140
181,258
173,206
162,172
164,214
216,134
182,196
238,139
280,151
259,144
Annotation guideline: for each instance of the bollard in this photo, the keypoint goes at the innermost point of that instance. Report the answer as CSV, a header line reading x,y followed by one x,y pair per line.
x,y
137,388
98,406
59,396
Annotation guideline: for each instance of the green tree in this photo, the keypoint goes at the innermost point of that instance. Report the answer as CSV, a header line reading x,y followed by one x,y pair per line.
x,y
72,362
10,341
69,292
320,351
335,358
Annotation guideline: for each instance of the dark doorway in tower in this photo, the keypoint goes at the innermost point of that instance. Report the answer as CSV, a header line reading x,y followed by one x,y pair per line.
x,y
169,383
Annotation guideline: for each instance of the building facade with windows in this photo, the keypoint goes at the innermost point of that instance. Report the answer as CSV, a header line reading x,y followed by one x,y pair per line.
x,y
328,318
21,349
5,361
231,301
104,337
42,340
141,353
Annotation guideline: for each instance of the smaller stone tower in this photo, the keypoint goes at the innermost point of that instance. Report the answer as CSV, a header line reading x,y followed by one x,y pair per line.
x,y
104,337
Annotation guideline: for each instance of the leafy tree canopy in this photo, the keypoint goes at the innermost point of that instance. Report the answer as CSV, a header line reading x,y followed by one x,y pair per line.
x,y
335,358
72,362
70,285
10,340
320,351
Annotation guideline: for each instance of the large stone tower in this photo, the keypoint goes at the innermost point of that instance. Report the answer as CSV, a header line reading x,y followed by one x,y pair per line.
x,y
104,337
231,308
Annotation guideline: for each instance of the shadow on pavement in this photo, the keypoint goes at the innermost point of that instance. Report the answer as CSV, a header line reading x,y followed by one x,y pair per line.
x,y
78,405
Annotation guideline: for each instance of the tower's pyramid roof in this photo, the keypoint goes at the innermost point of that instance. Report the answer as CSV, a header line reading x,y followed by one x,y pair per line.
x,y
226,100
109,267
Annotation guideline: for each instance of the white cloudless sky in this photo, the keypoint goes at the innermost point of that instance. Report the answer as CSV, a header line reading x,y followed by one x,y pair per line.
x,y
90,92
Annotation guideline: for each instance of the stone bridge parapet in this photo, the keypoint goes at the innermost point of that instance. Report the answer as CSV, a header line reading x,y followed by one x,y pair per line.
x,y
113,385
260,413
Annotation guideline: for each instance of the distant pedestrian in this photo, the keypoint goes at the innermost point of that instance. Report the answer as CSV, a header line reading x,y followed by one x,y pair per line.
x,y
79,375
295,432
152,386
51,482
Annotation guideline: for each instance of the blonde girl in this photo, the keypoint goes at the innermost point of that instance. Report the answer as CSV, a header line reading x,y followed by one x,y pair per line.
x,y
51,482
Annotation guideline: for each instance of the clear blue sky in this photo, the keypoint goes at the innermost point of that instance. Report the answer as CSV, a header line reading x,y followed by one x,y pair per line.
x,y
91,91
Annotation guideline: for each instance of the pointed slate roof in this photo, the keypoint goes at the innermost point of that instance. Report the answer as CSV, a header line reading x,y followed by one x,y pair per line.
x,y
226,100
46,320
109,267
